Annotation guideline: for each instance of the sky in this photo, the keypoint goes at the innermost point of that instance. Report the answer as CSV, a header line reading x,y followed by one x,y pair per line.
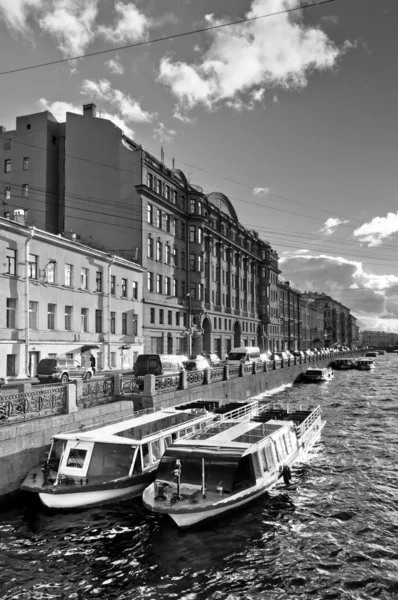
x,y
291,115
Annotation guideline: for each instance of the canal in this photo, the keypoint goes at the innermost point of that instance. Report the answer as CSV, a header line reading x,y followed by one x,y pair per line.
x,y
331,535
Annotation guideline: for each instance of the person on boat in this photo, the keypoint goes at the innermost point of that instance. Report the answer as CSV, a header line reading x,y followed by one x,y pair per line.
x,y
286,474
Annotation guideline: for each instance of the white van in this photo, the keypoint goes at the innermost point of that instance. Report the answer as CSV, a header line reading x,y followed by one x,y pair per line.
x,y
245,354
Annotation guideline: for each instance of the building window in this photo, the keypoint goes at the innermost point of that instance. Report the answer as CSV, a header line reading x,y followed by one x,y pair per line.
x,y
98,321
199,205
158,284
50,272
7,193
174,287
175,196
68,318
159,186
150,282
177,319
84,319
168,222
150,247
167,286
150,214
7,165
98,282
25,190
152,318
25,163
124,323
168,192
168,254
113,285
11,313
170,317
113,322
69,275
32,267
84,279
11,364
124,288
51,316
159,252
11,261
200,263
150,180
135,290
33,308
192,262
175,256
200,291
183,289
161,316
192,291
158,218
192,233
134,323
192,206
199,235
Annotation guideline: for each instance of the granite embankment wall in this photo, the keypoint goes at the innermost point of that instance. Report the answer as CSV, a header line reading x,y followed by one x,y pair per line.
x,y
23,444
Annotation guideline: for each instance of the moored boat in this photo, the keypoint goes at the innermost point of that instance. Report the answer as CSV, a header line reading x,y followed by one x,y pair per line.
x,y
365,364
117,461
316,374
229,464
343,364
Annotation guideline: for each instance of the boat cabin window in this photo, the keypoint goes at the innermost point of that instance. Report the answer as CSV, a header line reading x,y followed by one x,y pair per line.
x,y
156,451
244,474
280,448
268,458
55,454
113,460
167,441
76,458
145,456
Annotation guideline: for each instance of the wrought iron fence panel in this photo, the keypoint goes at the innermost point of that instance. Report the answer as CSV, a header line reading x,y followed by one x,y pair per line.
x,y
98,387
233,371
195,378
217,374
42,400
167,383
248,369
130,385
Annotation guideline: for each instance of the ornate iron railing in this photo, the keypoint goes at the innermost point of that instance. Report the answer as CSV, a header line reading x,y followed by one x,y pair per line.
x,y
167,383
96,388
233,371
195,378
248,369
43,400
217,374
130,385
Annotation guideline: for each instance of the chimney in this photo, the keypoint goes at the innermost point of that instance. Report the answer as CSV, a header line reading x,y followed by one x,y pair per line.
x,y
19,215
89,110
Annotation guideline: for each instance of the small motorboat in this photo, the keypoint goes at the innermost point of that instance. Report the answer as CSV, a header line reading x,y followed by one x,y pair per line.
x,y
230,463
107,463
365,364
316,374
343,364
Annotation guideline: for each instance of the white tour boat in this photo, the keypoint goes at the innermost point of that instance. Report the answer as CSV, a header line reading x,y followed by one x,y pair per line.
x,y
365,364
342,364
112,462
315,374
230,463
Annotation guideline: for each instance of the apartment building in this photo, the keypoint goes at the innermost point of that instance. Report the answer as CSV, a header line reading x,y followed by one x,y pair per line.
x,y
379,338
210,285
290,315
60,296
338,330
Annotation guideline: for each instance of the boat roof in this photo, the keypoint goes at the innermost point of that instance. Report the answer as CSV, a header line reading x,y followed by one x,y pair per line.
x,y
142,425
366,359
229,436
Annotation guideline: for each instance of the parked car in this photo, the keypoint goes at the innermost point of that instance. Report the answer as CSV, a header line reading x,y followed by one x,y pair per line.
x,y
244,354
61,370
280,355
200,363
158,364
308,353
213,359
298,353
265,357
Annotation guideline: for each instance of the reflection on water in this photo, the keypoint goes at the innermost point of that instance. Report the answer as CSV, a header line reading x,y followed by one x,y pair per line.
x,y
330,535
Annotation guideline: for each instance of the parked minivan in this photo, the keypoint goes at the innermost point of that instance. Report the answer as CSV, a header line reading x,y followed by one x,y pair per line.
x,y
157,364
61,370
244,354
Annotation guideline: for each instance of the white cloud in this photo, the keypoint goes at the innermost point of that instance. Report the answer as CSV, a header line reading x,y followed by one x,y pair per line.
x,y
303,251
378,229
71,22
162,134
331,225
59,110
260,191
131,24
177,114
115,66
129,108
278,51
15,13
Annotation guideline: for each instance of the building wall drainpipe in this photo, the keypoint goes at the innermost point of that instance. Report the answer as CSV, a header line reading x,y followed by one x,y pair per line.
x,y
107,357
24,367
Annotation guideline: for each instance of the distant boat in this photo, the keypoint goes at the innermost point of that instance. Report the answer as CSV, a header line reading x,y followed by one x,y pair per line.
x,y
365,364
318,374
230,463
372,354
343,363
116,461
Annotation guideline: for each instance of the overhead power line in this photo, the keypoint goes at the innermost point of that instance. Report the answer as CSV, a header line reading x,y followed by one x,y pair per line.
x,y
164,38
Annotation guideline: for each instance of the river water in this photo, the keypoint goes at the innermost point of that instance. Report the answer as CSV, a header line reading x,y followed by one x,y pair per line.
x,y
333,534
